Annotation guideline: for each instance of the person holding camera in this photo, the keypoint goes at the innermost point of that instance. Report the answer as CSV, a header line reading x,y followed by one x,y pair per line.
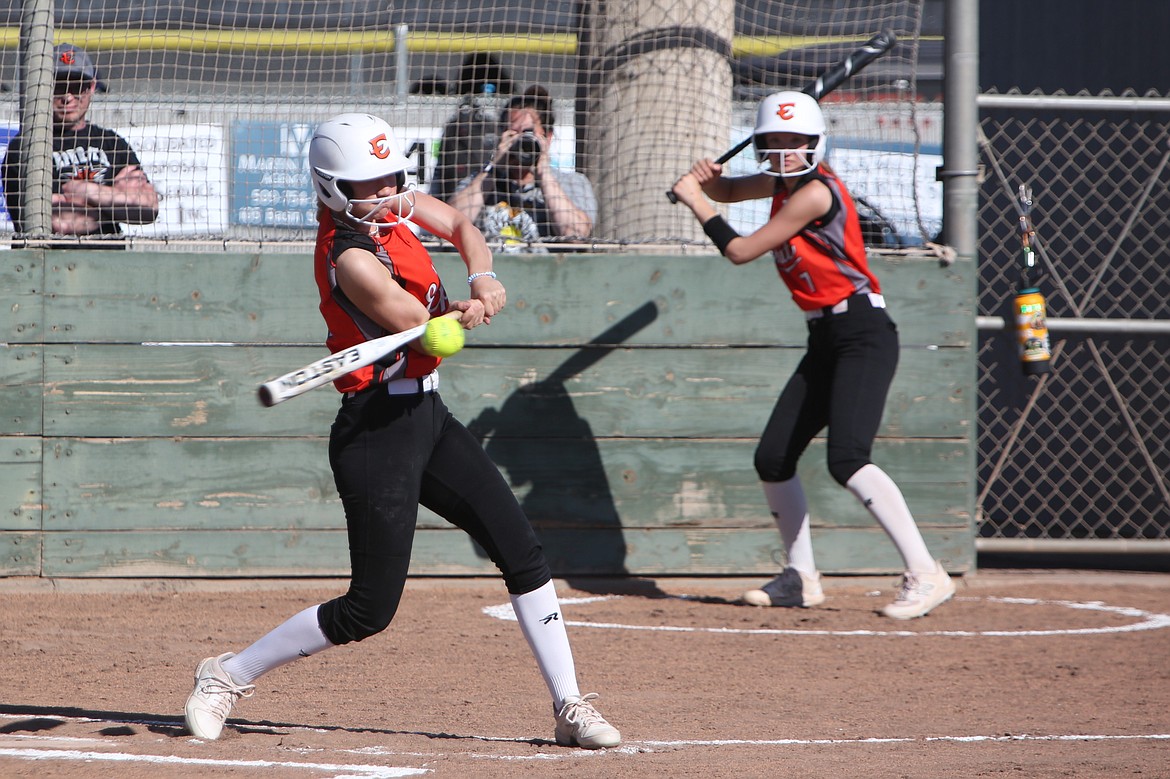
x,y
519,199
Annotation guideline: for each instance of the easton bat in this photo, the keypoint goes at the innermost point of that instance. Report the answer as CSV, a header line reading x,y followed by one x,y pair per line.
x,y
333,367
826,82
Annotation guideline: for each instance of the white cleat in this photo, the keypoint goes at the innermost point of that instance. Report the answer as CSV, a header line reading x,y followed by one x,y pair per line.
x,y
920,593
211,701
581,725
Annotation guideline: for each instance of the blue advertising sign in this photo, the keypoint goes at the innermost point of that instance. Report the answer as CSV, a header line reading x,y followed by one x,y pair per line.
x,y
270,184
6,133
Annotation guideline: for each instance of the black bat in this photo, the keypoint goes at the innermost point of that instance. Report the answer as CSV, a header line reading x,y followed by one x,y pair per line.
x,y
826,82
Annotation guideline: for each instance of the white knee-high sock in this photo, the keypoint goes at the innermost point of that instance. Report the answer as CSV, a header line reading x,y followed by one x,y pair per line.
x,y
539,615
878,493
789,508
298,636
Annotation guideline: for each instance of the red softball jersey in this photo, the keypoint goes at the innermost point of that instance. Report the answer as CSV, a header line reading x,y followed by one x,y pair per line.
x,y
826,261
409,264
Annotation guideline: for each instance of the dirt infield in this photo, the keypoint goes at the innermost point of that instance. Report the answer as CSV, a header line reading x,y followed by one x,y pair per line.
x,y
1044,674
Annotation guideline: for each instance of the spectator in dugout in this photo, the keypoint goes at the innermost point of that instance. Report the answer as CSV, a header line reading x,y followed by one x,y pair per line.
x,y
518,199
98,181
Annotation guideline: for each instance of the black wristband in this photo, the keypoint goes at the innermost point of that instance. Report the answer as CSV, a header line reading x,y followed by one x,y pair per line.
x,y
487,169
719,232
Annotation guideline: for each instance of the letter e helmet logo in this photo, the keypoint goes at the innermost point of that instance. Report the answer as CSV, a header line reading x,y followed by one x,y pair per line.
x,y
785,110
380,146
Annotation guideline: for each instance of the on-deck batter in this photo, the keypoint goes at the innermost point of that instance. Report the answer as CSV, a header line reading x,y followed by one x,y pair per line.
x,y
814,236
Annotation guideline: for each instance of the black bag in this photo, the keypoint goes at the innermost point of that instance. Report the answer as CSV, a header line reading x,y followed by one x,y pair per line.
x,y
468,141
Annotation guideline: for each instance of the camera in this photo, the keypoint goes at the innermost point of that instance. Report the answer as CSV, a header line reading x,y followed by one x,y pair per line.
x,y
526,149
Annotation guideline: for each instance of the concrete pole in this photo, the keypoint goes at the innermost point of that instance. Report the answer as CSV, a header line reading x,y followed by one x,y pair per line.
x,y
960,131
36,114
659,92
402,62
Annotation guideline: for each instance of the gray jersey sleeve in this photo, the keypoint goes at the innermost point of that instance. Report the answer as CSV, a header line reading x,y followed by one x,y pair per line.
x,y
579,190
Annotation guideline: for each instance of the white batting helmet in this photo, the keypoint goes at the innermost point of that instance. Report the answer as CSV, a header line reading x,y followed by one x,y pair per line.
x,y
790,112
355,147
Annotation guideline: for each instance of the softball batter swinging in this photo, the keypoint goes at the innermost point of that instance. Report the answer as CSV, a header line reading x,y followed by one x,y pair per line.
x,y
814,235
394,445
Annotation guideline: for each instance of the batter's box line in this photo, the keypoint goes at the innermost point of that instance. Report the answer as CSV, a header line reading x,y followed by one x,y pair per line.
x,y
900,740
1149,621
354,771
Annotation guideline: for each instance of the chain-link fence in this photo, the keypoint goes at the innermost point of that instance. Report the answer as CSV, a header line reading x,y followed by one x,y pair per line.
x,y
1079,455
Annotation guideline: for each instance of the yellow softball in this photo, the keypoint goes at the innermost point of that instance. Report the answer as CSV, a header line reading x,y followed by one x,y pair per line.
x,y
443,337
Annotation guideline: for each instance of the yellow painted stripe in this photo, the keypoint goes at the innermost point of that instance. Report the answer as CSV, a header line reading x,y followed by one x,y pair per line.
x,y
310,41
300,41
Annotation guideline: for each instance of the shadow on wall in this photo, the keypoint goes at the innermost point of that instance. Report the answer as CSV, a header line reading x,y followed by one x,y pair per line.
x,y
540,441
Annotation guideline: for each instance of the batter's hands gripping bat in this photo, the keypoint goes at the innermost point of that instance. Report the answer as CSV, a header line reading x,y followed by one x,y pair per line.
x,y
338,364
825,83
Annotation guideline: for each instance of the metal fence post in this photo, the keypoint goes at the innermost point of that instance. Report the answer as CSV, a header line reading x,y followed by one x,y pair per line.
x,y
959,173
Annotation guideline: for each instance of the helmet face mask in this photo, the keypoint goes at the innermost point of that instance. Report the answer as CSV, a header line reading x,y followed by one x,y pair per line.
x,y
790,112
355,148
805,150
399,205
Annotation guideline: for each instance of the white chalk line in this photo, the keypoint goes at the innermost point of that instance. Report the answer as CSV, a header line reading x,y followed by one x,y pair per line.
x,y
927,739
646,746
1149,621
356,771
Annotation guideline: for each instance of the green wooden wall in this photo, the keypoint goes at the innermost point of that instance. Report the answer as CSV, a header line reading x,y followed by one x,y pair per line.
x,y
132,443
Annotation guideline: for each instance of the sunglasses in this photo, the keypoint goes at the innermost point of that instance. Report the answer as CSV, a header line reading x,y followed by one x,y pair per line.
x,y
71,86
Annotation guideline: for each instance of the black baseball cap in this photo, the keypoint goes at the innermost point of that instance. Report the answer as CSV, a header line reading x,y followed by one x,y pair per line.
x,y
70,62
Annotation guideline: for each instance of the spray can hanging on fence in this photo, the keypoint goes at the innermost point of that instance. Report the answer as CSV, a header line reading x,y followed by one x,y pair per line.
x,y
1029,309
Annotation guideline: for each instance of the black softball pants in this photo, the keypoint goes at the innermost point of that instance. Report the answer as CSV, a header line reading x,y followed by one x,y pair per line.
x,y
391,453
841,383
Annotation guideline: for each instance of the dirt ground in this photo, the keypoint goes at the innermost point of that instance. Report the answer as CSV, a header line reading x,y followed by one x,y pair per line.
x,y
1026,674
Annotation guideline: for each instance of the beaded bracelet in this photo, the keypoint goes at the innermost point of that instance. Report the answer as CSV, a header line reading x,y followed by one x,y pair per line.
x,y
475,276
